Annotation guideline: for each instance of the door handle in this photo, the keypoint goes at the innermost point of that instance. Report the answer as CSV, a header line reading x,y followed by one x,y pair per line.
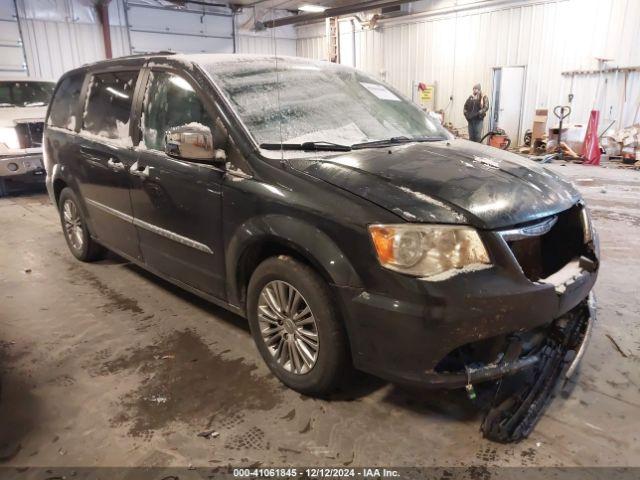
x,y
115,164
139,171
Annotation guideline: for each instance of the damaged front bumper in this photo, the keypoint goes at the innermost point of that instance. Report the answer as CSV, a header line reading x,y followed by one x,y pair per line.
x,y
511,361
579,350
471,328
520,402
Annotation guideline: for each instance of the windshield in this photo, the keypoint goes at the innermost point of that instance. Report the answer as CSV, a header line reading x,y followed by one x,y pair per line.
x,y
289,100
25,94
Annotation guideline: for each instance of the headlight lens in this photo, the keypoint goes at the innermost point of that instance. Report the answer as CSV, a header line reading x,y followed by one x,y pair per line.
x,y
427,250
9,137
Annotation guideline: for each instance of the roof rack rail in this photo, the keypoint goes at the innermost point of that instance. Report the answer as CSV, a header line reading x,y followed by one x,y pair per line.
x,y
147,54
134,55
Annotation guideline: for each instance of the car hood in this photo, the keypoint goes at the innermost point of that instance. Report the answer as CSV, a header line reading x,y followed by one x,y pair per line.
x,y
458,182
9,116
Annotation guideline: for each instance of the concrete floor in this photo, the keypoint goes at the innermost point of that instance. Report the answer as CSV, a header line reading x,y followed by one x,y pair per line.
x,y
105,365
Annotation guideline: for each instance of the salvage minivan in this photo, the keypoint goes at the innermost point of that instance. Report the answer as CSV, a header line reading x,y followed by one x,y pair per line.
x,y
348,226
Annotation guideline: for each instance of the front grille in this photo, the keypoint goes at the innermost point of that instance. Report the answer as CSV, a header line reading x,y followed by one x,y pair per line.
x,y
30,134
541,256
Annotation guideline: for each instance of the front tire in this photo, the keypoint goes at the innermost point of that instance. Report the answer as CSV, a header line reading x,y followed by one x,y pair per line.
x,y
295,326
75,229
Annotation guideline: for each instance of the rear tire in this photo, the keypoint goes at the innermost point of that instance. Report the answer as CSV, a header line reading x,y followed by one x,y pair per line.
x,y
306,350
75,229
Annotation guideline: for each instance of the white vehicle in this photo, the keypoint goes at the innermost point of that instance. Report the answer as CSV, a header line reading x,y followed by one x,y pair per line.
x,y
23,106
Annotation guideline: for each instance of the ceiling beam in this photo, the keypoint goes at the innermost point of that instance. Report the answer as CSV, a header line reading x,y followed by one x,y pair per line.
x,y
330,12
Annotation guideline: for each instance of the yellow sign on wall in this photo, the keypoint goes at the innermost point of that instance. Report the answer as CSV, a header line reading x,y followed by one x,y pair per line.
x,y
426,95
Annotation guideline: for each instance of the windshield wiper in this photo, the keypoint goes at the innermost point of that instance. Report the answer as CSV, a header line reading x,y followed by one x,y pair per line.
x,y
394,141
307,146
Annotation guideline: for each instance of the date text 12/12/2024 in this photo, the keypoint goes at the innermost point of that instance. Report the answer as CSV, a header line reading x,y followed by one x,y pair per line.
x,y
314,472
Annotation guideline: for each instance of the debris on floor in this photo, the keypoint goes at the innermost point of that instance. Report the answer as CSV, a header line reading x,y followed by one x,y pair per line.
x,y
615,344
158,399
624,145
209,434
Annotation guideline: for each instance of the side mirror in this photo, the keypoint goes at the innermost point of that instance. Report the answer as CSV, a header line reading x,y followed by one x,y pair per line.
x,y
192,142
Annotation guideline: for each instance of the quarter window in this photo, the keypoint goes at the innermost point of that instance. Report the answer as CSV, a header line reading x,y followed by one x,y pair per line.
x,y
65,103
170,101
109,104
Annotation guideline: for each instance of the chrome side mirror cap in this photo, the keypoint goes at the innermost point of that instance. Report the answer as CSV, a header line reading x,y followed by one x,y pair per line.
x,y
191,142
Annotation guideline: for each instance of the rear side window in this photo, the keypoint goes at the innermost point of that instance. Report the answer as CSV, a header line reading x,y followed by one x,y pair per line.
x,y
65,103
109,104
170,102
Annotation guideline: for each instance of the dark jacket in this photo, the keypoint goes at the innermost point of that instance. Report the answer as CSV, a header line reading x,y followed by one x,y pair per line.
x,y
476,108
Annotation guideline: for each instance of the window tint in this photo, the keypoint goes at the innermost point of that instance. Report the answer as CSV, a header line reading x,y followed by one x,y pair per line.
x,y
63,107
109,104
170,102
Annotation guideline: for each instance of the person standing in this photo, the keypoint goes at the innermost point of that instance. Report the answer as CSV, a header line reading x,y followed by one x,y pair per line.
x,y
475,109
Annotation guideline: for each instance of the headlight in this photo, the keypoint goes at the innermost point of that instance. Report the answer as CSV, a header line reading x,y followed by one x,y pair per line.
x,y
9,137
587,226
426,250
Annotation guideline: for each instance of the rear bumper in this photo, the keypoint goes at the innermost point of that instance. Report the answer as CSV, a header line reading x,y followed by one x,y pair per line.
x,y
406,341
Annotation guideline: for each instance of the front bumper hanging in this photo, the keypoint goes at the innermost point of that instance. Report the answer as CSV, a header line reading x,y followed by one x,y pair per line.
x,y
514,412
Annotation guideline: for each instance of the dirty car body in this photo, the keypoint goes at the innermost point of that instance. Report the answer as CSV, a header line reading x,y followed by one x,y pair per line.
x,y
514,247
23,104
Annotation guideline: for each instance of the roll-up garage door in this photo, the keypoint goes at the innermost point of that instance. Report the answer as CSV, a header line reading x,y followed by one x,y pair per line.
x,y
153,28
12,62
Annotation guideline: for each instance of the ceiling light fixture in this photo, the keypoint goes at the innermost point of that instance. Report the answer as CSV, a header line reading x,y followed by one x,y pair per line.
x,y
312,8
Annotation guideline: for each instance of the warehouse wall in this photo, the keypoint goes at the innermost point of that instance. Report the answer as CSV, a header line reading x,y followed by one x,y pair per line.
x,y
193,29
280,40
62,34
12,62
58,35
456,49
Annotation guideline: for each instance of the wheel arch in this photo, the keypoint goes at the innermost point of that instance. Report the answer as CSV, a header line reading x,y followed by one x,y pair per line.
x,y
58,185
272,235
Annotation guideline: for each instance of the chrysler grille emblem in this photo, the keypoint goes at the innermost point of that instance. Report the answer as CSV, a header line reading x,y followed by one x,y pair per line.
x,y
535,230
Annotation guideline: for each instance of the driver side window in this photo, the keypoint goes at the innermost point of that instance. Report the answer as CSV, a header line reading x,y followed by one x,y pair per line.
x,y
169,102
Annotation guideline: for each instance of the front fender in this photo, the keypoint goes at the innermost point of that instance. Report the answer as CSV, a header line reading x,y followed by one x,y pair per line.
x,y
317,247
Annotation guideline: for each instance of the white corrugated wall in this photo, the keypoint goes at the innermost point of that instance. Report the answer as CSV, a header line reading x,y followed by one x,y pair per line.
x,y
265,44
62,34
12,61
311,41
456,50
280,40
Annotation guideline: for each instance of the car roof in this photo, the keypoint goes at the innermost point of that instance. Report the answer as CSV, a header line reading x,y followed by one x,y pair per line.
x,y
229,57
196,58
26,79
190,58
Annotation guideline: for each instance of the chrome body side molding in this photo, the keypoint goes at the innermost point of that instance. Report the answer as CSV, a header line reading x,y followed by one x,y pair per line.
x,y
151,228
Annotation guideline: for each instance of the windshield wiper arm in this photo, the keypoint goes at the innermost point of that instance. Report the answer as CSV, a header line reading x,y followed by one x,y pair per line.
x,y
307,146
394,141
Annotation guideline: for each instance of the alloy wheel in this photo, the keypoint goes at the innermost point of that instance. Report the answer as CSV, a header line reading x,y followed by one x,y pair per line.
x,y
288,327
73,224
